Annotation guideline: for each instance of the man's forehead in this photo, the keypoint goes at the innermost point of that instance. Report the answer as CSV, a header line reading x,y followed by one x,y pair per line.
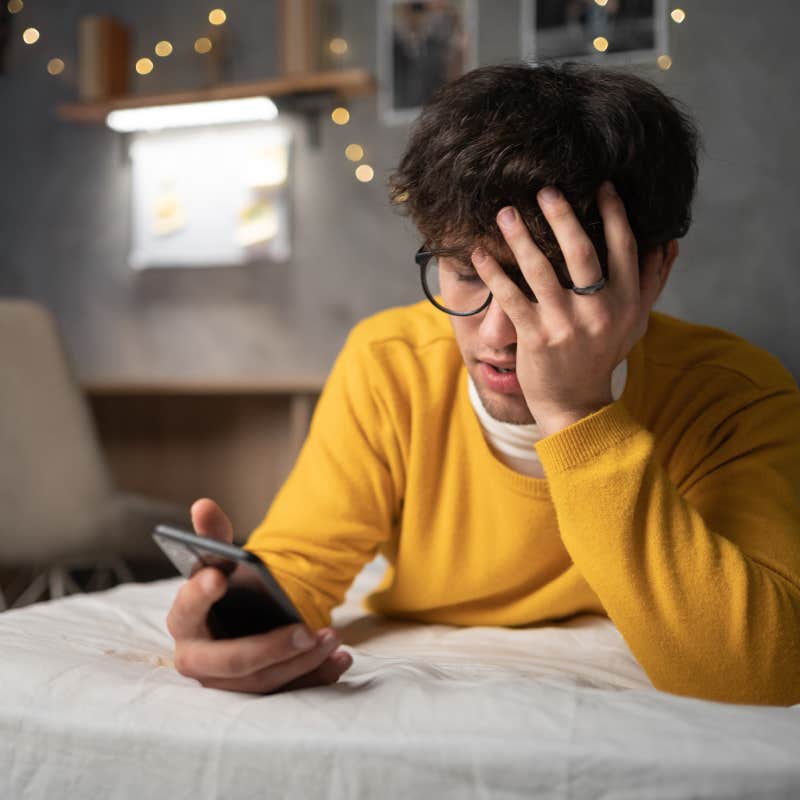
x,y
498,249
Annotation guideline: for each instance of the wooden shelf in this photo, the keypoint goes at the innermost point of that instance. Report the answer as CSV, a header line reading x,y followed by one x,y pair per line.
x,y
296,385
340,83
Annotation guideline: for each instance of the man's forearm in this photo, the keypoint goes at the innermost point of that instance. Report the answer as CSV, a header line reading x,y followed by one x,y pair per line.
x,y
702,616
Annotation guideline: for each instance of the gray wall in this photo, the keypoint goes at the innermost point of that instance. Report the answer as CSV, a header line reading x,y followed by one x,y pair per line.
x,y
64,199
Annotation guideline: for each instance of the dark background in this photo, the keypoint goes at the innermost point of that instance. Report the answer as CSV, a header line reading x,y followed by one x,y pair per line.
x,y
64,196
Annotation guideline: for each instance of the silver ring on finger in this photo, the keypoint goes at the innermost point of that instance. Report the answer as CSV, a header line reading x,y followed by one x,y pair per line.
x,y
591,289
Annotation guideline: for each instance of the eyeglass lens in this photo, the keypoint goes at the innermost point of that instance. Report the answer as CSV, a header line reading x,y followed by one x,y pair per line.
x,y
457,286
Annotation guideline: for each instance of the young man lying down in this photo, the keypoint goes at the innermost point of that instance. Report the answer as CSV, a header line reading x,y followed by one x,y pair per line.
x,y
532,441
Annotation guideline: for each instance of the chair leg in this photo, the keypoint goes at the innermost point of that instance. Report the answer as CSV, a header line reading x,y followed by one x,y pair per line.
x,y
57,580
36,588
121,570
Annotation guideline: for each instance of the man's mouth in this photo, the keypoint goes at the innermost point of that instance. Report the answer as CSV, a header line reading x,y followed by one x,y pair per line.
x,y
502,368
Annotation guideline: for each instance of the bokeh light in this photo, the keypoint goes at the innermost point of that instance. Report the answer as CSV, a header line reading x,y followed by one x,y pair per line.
x,y
30,36
15,6
203,45
600,43
144,66
365,173
55,66
163,48
678,15
354,152
665,62
338,46
341,116
217,17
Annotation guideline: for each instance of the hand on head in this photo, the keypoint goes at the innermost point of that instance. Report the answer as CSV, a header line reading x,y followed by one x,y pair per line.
x,y
568,343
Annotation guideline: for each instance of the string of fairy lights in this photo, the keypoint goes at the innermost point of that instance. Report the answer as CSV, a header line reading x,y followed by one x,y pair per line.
x,y
338,47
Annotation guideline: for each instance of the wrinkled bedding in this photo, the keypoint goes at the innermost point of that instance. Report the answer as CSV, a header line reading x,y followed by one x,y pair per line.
x,y
91,706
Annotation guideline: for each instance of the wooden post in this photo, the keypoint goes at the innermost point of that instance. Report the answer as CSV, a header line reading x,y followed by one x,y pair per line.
x,y
300,36
103,59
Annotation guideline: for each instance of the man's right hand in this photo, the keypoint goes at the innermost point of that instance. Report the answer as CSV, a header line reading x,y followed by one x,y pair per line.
x,y
291,657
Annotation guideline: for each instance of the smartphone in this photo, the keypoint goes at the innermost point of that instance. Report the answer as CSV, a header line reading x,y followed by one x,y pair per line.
x,y
254,602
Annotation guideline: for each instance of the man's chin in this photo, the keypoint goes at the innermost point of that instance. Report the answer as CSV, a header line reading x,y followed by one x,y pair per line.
x,y
510,408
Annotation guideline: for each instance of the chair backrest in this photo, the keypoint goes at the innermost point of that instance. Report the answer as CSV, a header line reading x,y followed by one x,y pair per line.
x,y
53,476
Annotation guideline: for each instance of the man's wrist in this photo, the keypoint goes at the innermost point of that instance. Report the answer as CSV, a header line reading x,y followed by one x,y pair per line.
x,y
554,422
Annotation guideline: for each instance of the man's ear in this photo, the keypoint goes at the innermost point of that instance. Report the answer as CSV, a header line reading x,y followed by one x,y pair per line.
x,y
667,253
670,250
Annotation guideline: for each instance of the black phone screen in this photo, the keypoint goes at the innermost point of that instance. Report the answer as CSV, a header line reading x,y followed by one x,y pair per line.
x,y
254,602
247,607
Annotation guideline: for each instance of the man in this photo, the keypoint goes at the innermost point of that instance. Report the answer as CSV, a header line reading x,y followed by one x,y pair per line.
x,y
547,446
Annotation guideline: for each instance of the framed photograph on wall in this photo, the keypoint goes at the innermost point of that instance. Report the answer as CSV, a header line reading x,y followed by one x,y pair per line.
x,y
611,32
421,46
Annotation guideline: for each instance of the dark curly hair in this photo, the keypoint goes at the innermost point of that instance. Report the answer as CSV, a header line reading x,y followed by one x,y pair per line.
x,y
496,135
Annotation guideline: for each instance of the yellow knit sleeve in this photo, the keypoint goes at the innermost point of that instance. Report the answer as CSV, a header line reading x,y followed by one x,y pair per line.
x,y
341,499
698,565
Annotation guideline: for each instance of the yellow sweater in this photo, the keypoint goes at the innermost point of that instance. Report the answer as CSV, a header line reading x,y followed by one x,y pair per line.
x,y
675,510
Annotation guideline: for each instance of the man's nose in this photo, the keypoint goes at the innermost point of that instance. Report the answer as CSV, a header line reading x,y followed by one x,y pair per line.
x,y
496,331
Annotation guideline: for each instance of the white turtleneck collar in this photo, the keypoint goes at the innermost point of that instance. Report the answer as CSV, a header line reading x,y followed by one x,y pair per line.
x,y
514,444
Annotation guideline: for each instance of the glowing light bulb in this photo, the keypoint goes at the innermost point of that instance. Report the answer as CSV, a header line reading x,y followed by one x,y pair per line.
x,y
365,173
203,45
665,62
15,6
55,66
144,66
678,15
600,43
338,46
30,36
601,2
163,48
217,17
341,116
354,152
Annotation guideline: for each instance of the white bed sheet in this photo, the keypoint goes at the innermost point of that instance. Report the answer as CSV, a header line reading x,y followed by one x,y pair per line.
x,y
90,707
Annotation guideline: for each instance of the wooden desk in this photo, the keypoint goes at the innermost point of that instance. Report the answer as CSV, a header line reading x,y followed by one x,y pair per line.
x,y
232,441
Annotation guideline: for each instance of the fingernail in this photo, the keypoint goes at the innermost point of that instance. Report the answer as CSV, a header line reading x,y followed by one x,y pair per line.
x,y
549,194
344,660
328,640
506,217
610,188
302,638
209,580
478,255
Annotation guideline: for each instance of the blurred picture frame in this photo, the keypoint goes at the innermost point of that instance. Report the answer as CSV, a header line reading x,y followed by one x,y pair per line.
x,y
5,34
422,46
632,31
216,196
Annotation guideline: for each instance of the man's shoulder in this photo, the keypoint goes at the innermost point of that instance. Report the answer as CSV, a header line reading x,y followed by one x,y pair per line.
x,y
412,328
677,344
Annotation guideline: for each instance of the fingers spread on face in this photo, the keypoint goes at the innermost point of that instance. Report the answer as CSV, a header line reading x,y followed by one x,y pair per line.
x,y
507,294
538,271
623,260
579,253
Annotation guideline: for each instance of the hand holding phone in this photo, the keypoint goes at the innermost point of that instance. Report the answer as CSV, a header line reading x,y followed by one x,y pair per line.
x,y
286,657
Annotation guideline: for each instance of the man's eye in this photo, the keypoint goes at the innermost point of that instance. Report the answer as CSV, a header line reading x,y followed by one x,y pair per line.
x,y
468,277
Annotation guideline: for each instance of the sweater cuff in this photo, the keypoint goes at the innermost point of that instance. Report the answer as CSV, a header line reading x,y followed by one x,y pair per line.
x,y
586,439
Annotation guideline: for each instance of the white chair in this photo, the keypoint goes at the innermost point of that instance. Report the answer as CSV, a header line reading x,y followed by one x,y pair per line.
x,y
60,514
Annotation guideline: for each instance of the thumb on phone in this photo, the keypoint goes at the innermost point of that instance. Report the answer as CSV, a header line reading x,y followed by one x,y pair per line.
x,y
211,521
